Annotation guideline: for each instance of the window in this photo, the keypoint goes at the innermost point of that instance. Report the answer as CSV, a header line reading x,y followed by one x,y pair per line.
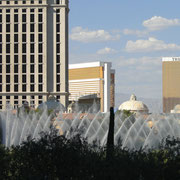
x,y
40,78
58,87
7,58
57,18
24,18
15,97
7,78
15,37
32,10
15,68
32,87
24,59
40,37
58,79
57,28
57,10
0,68
40,1
32,27
7,37
32,1
15,89
0,58
32,37
7,88
58,68
40,88
32,78
32,58
0,88
15,48
40,49
7,48
40,68
24,28
15,27
7,68
16,18
57,1
58,48
40,27
24,10
40,10
24,2
15,58
7,10
0,18
32,68
15,2
40,58
7,28
32,48
0,78
23,68
40,17
0,27
15,78
24,88
58,59
24,38
58,37
32,17
16,10
7,18
0,48
0,38
23,48
24,78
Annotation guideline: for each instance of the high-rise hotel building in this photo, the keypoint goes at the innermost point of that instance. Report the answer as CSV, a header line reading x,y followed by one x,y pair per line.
x,y
33,51
171,83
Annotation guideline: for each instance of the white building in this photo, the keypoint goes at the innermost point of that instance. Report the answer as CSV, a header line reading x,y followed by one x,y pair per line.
x,y
33,51
92,81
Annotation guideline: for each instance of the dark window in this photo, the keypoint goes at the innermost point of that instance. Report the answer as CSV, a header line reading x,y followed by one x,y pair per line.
x,y
7,28
0,18
0,58
23,68
0,27
32,48
24,2
0,88
8,10
40,1
7,88
7,37
16,10
32,58
40,57
7,78
32,78
15,58
32,37
32,27
58,79
57,1
40,27
15,78
32,10
7,17
58,68
58,48
15,27
16,38
24,59
32,1
40,78
40,38
58,59
23,87
58,37
0,68
0,37
15,48
57,10
58,87
15,97
15,68
40,10
23,48
32,87
57,17
23,10
0,48
57,28
15,2
32,17
40,87
32,68
15,89
40,17
40,68
40,50
7,48
0,78
8,69
16,18
24,28
24,17
23,97
24,78
24,38
7,58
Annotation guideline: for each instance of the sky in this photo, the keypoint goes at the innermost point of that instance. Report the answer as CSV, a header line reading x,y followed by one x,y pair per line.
x,y
132,34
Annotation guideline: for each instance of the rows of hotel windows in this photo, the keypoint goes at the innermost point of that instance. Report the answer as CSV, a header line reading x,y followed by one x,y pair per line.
x,y
18,103
14,59
31,1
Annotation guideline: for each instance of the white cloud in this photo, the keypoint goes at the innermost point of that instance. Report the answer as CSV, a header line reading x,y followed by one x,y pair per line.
x,y
86,35
106,50
158,23
151,44
135,32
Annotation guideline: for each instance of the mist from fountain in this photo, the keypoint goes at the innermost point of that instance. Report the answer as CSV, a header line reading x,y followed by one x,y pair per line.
x,y
133,132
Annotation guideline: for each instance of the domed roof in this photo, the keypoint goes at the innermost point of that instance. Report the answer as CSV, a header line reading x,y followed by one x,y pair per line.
x,y
133,105
52,104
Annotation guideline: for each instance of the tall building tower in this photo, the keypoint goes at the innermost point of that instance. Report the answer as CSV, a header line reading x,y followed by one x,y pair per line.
x,y
33,51
171,82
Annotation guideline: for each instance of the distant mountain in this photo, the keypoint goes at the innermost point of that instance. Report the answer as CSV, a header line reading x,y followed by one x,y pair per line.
x,y
154,105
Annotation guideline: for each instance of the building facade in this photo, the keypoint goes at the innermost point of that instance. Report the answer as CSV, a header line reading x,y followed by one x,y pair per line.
x,y
33,51
92,81
170,81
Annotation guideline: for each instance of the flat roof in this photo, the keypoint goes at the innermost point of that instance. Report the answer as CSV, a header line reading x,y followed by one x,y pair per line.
x,y
171,59
89,64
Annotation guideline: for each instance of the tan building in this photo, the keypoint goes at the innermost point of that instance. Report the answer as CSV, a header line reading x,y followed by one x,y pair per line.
x,y
94,81
171,83
33,51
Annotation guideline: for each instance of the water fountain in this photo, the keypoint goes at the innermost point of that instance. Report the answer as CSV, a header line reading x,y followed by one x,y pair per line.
x,y
133,132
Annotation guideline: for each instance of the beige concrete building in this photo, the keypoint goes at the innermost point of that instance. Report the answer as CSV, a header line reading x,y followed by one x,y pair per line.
x,y
92,81
33,51
171,85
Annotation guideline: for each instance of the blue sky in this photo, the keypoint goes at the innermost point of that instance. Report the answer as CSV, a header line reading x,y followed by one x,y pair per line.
x,y
134,35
